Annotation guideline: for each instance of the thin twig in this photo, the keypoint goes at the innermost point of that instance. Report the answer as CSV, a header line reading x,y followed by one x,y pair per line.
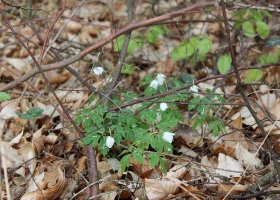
x,y
240,89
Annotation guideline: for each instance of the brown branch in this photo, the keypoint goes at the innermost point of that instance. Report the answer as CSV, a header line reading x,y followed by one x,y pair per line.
x,y
105,41
122,54
240,89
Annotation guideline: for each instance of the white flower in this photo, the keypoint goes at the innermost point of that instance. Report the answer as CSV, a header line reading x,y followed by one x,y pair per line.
x,y
194,89
98,70
168,137
160,79
163,106
110,141
154,84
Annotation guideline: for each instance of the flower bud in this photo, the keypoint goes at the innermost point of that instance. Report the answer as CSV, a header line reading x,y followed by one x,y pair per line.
x,y
168,137
110,141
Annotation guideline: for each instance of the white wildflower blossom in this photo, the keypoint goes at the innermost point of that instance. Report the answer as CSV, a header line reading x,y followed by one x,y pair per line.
x,y
163,106
194,89
98,70
160,78
110,141
154,84
168,137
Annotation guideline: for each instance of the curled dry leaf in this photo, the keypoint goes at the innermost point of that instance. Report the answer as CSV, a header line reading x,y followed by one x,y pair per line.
x,y
28,152
138,167
177,171
159,189
16,139
228,166
56,182
245,157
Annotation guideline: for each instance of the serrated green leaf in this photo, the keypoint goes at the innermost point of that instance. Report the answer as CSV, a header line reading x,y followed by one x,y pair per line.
x,y
125,162
162,165
149,91
149,115
253,75
248,29
262,29
95,140
4,96
224,64
78,120
167,121
138,156
153,159
204,46
179,52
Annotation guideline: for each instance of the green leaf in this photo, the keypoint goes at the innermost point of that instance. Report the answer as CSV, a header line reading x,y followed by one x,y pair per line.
x,y
78,120
187,78
224,64
248,29
193,103
179,52
128,69
257,15
155,31
191,46
253,75
4,96
149,91
162,165
167,121
31,114
267,59
149,115
138,155
272,42
153,159
262,29
125,162
132,45
204,46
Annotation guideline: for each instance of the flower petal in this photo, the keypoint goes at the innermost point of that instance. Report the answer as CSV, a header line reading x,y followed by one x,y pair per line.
x,y
98,70
110,141
154,84
168,137
163,106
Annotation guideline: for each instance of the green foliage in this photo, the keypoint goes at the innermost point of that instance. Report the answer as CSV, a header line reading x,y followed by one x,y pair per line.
x,y
194,49
253,75
134,43
251,22
154,32
203,106
128,69
4,96
31,114
143,131
224,63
